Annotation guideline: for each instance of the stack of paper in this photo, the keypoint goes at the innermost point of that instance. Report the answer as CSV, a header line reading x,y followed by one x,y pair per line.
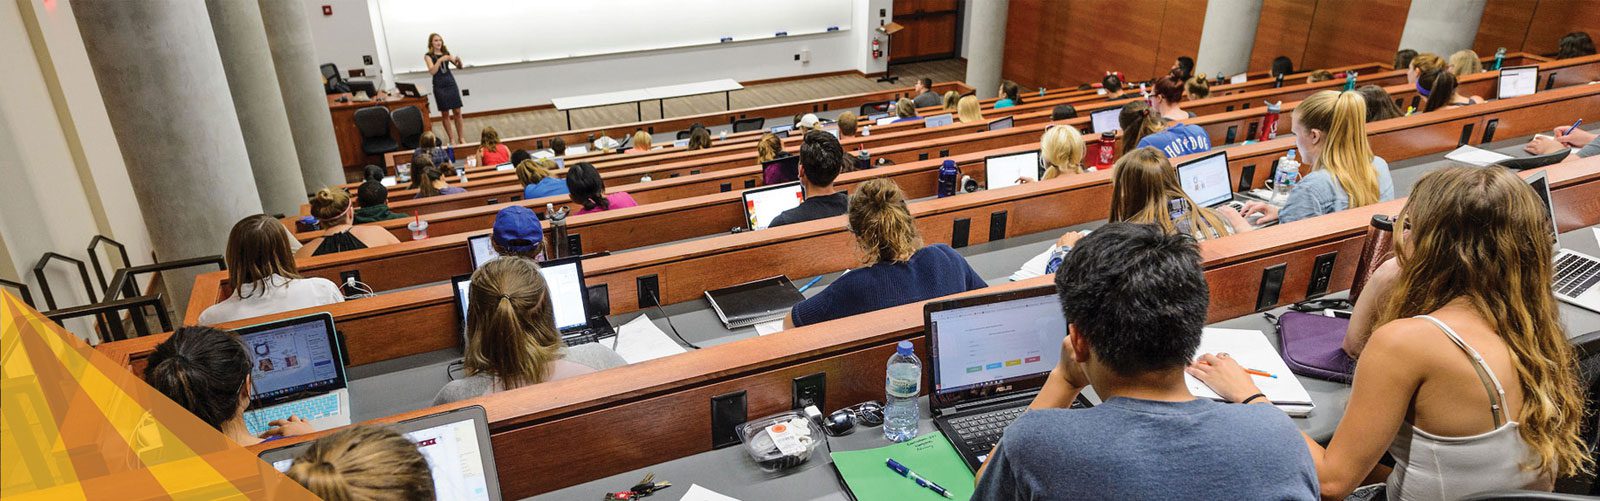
x,y
698,493
1475,156
640,340
1252,350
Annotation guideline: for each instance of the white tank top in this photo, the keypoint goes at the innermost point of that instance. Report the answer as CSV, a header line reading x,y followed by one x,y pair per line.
x,y
1433,467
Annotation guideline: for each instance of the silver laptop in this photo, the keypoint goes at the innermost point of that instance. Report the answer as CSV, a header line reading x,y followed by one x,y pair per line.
x,y
1577,275
938,121
1517,81
578,321
481,250
455,443
1106,120
296,370
1004,171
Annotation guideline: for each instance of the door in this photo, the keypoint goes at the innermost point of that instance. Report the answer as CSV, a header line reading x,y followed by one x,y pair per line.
x,y
932,30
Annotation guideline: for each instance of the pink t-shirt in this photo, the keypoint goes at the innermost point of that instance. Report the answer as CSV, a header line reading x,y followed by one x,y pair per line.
x,y
618,200
499,156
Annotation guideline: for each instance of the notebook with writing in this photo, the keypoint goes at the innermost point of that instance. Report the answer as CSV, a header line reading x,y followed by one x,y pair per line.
x,y
754,302
1253,351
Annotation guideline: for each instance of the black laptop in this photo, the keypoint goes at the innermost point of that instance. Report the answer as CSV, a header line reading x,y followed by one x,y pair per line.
x,y
989,356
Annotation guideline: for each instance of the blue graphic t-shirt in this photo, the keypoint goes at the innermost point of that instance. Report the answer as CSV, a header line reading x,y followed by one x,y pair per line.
x,y
1178,140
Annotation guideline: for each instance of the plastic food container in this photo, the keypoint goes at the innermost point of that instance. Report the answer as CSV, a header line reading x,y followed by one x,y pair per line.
x,y
780,441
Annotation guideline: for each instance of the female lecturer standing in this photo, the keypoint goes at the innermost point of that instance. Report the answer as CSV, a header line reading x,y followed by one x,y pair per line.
x,y
445,93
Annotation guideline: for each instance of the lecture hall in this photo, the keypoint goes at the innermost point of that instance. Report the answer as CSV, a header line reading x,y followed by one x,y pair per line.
x,y
713,250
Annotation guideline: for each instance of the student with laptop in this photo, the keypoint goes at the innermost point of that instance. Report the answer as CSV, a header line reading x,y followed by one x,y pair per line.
x,y
364,462
896,268
1061,152
264,276
1144,126
968,111
537,181
1330,132
586,188
1149,438
374,200
1112,84
517,232
905,111
1146,189
769,148
1469,381
335,213
926,98
512,337
821,160
207,371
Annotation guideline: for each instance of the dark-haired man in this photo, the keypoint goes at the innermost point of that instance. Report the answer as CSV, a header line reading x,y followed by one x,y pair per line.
x,y
1136,300
374,200
925,96
821,160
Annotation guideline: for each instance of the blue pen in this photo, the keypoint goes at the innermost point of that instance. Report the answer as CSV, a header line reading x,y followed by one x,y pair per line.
x,y
811,283
906,472
1574,127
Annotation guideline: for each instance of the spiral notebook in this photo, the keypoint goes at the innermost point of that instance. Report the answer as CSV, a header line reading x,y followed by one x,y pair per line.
x,y
1252,350
754,302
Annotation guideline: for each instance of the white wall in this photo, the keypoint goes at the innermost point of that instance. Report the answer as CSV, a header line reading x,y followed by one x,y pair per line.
x,y
966,27
349,33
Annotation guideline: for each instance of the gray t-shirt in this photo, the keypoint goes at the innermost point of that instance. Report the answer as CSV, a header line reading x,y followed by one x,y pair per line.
x,y
1591,149
927,100
1319,193
588,357
1129,448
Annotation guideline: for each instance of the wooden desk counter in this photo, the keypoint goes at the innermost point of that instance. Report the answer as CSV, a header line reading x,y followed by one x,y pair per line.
x,y
349,138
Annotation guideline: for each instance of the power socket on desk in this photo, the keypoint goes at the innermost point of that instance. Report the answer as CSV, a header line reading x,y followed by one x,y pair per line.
x,y
810,390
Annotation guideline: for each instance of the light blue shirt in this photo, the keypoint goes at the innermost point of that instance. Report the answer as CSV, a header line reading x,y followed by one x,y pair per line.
x,y
1319,193
1178,140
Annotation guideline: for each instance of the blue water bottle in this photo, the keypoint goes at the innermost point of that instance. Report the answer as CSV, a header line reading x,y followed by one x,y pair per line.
x,y
901,387
1349,80
947,178
450,150
1499,58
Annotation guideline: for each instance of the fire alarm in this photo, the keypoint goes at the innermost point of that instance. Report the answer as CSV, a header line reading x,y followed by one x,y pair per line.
x,y
327,10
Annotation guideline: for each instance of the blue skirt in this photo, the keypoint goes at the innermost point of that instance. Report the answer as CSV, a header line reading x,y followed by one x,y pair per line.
x,y
446,96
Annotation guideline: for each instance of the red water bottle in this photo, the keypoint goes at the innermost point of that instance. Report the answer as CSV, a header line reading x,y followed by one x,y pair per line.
x,y
1269,125
1104,151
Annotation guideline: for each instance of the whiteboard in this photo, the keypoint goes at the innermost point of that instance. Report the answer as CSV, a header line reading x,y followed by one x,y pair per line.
x,y
491,32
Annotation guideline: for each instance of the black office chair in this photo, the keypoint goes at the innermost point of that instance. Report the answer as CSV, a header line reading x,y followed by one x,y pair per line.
x,y
407,125
1521,495
373,123
871,108
683,134
337,84
749,124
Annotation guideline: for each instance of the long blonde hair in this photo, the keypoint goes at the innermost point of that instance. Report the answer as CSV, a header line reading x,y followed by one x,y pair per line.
x,y
641,140
904,108
364,462
882,224
1144,182
1465,62
1346,155
968,110
443,49
951,100
1062,150
511,324
533,170
769,147
1462,220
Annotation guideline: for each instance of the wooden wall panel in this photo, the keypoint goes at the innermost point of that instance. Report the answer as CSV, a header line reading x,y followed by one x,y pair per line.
x,y
1281,31
1024,29
932,30
1504,24
1180,34
1553,19
1066,43
1345,32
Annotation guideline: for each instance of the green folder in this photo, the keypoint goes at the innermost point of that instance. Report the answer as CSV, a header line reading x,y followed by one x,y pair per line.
x,y
867,475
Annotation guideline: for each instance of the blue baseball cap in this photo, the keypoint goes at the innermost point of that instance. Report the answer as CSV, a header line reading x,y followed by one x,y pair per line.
x,y
517,229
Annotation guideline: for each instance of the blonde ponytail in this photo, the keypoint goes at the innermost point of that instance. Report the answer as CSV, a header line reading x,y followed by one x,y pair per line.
x,y
511,324
1346,155
329,204
883,226
1062,150
364,462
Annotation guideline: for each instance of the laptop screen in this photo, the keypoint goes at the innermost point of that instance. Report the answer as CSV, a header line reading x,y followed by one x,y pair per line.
x,y
1518,81
292,356
995,340
455,445
938,121
1106,120
461,286
788,168
577,149
761,205
481,250
565,280
1206,180
782,128
1541,186
1004,123
1003,171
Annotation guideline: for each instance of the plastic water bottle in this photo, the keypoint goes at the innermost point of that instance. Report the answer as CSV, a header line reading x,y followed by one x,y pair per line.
x,y
1288,173
947,178
902,386
1499,58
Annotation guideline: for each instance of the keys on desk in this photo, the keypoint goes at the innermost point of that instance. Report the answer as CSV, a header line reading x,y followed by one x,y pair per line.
x,y
643,489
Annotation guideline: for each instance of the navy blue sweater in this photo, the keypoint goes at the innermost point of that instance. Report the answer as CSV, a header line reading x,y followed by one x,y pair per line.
x,y
934,271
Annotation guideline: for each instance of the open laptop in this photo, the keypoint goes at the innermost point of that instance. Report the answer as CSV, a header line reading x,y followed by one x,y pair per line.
x,y
296,369
1004,123
407,89
1517,81
781,129
455,443
788,167
569,298
1577,275
939,121
989,356
875,117
1003,171
481,250
762,205
1106,120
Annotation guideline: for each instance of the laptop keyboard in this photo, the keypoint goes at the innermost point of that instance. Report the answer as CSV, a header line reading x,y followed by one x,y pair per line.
x,y
310,409
982,431
1576,274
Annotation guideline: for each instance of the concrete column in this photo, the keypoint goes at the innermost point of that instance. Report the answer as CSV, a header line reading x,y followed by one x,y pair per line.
x,y
988,45
1227,36
167,99
242,41
1442,26
295,59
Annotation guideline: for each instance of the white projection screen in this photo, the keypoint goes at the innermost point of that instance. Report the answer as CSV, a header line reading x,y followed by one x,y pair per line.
x,y
491,32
